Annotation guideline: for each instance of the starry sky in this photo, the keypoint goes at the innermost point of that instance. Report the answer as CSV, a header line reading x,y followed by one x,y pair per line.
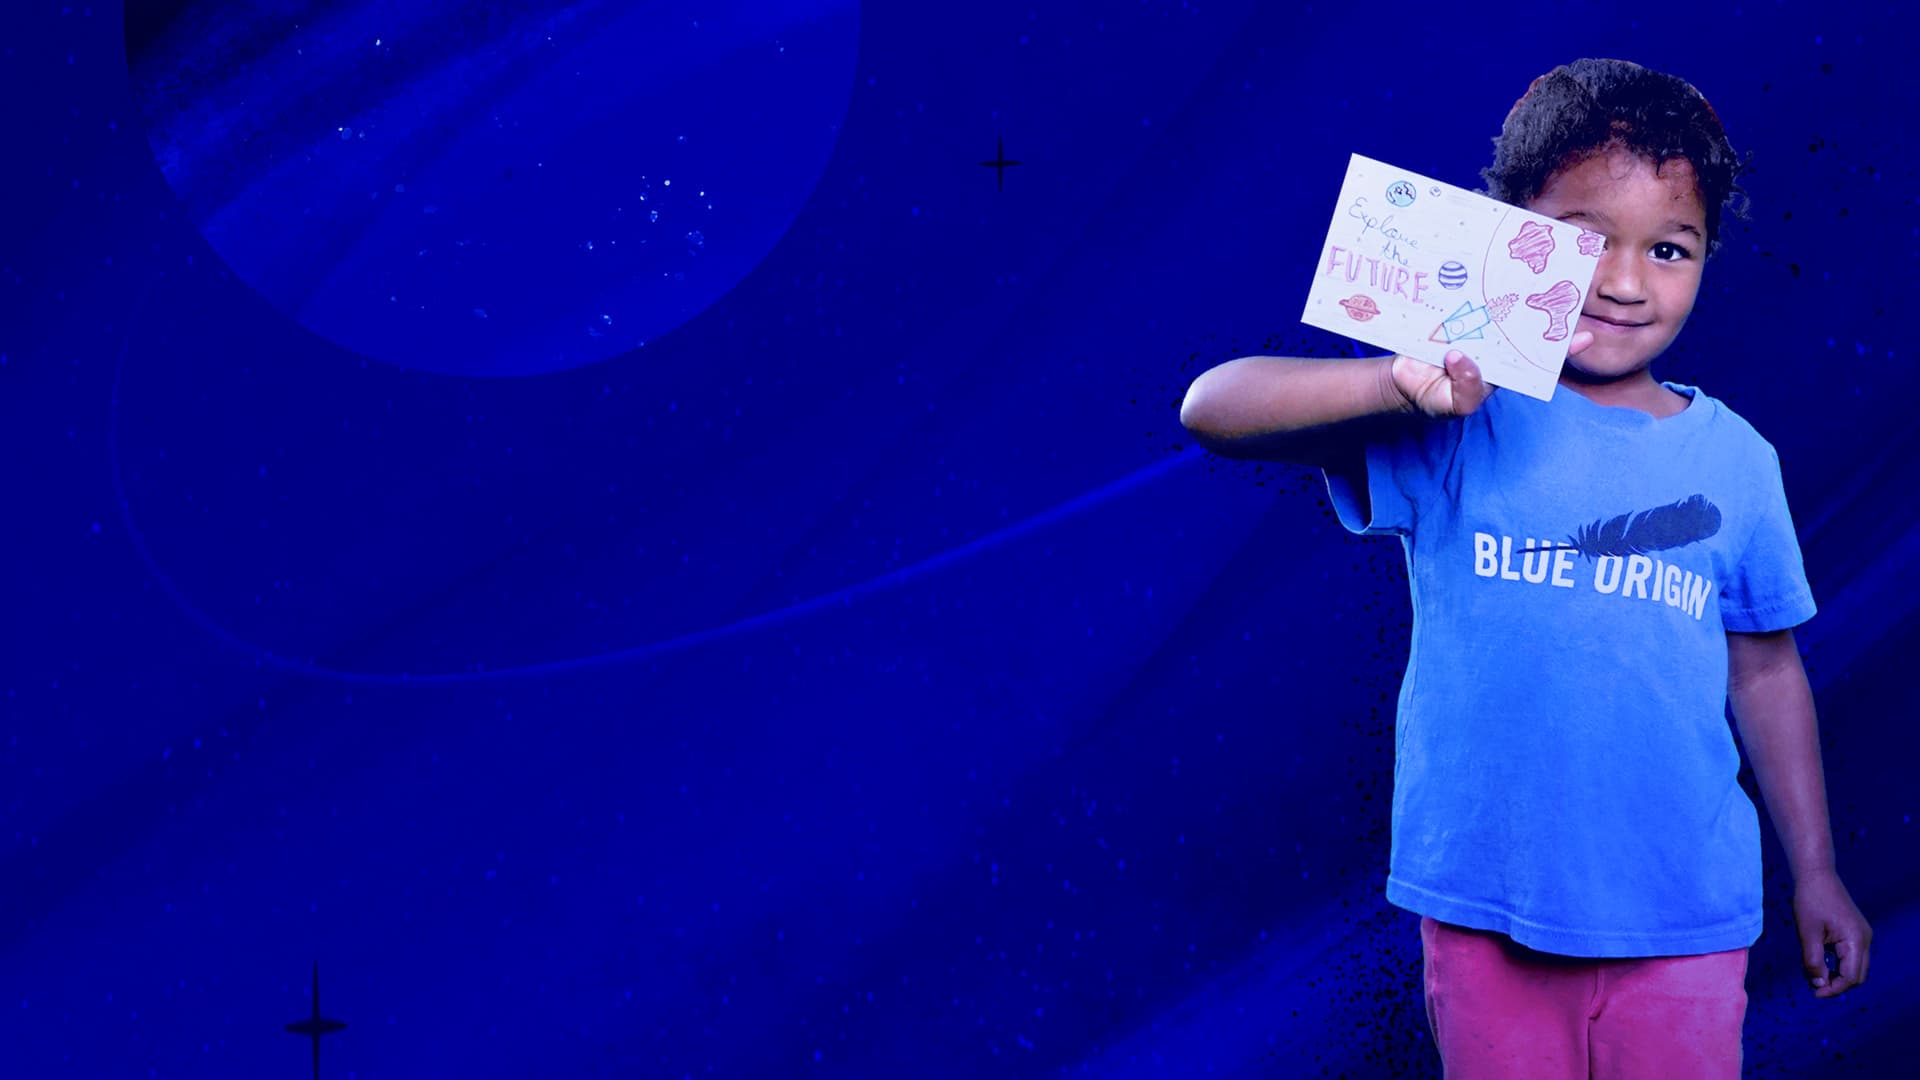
x,y
773,622
490,189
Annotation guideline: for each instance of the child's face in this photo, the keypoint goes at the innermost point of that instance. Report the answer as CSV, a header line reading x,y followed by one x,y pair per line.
x,y
1649,273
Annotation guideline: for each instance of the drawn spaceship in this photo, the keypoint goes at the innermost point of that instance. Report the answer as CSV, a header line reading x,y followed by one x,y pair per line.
x,y
1465,324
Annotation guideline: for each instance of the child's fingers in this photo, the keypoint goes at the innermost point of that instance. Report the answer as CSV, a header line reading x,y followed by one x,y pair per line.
x,y
1580,341
1813,959
1465,384
1850,954
1849,970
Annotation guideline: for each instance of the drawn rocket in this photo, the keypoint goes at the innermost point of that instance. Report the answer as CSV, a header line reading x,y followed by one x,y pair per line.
x,y
1465,324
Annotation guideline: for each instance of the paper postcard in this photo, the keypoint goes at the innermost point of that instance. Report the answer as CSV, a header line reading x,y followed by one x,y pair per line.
x,y
1419,267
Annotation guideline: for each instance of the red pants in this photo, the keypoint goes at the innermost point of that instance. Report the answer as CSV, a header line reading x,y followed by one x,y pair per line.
x,y
1500,1009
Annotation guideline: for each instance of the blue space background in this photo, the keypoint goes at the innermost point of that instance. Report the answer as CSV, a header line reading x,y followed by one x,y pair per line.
x,y
607,530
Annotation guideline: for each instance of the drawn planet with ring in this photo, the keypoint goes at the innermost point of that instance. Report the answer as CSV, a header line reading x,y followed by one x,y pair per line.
x,y
1360,307
1452,275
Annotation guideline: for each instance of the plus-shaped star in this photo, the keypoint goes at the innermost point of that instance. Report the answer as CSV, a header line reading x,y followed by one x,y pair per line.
x,y
316,1025
999,163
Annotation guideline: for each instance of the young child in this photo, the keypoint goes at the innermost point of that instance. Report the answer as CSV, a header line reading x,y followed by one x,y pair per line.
x,y
1594,579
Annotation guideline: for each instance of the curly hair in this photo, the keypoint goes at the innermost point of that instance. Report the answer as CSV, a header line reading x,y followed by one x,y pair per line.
x,y
1581,109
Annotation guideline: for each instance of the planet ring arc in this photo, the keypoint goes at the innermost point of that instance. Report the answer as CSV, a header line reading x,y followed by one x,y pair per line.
x,y
843,596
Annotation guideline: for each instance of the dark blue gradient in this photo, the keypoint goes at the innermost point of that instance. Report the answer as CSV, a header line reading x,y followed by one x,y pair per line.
x,y
866,676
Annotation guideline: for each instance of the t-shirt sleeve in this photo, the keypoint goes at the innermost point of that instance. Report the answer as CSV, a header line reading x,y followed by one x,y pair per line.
x,y
1405,472
1768,589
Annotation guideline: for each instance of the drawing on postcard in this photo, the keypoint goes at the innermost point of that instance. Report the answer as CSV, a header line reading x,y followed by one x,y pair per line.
x,y
1532,246
1360,307
1560,301
1465,324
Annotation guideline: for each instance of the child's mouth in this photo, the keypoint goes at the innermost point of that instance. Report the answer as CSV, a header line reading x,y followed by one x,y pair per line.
x,y
1601,325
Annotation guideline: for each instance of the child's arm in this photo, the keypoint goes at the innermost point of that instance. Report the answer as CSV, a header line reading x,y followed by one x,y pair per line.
x,y
1310,411
1288,408
1323,412
1773,708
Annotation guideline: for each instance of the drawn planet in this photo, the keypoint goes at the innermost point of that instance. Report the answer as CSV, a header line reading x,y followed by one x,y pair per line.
x,y
1400,193
1360,307
1452,275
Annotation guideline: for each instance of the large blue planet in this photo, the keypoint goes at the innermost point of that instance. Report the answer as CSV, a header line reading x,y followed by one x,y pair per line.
x,y
499,188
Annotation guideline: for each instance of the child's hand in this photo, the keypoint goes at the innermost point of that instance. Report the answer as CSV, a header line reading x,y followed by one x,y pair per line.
x,y
1825,915
1456,389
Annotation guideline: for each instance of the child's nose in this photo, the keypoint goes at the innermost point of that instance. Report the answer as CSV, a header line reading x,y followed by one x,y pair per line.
x,y
1619,278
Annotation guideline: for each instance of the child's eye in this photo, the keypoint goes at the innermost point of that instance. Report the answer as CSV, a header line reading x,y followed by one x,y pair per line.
x,y
1666,251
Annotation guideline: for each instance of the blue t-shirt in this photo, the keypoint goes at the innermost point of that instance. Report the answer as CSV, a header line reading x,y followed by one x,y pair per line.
x,y
1564,771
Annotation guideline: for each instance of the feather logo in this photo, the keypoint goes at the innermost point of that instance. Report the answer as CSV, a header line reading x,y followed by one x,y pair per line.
x,y
1638,532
